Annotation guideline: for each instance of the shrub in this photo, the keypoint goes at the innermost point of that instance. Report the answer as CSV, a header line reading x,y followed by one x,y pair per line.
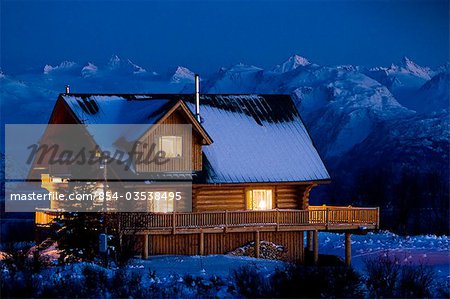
x,y
250,282
416,282
299,281
317,281
443,291
382,276
387,278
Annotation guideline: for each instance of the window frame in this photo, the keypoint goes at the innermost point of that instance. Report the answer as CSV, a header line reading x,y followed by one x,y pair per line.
x,y
176,137
249,199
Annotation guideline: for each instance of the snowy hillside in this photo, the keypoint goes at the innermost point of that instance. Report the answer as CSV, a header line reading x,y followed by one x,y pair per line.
x,y
433,95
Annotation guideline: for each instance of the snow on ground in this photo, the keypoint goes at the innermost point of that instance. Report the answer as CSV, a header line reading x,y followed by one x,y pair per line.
x,y
219,265
427,250
185,275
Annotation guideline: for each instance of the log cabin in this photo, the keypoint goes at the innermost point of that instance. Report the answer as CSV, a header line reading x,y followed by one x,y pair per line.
x,y
252,166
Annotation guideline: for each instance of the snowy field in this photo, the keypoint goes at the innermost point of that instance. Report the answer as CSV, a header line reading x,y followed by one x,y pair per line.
x,y
427,250
218,265
212,276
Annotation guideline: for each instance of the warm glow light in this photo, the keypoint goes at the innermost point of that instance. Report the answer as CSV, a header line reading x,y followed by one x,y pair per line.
x,y
259,199
262,204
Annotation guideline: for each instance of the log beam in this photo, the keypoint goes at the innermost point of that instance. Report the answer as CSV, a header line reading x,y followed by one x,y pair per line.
x,y
302,247
257,244
145,247
202,243
315,246
348,249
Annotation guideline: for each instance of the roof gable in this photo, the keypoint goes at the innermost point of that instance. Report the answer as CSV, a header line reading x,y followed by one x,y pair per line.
x,y
257,138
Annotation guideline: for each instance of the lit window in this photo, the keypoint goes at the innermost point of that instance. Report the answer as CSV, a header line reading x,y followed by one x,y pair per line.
x,y
171,145
162,203
259,199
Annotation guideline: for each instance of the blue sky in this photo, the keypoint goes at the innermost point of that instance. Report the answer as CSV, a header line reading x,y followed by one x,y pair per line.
x,y
204,35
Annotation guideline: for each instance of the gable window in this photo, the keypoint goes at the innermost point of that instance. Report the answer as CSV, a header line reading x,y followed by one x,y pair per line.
x,y
259,199
171,145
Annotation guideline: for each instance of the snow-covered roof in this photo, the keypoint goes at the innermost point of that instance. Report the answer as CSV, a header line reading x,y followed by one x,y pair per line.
x,y
257,138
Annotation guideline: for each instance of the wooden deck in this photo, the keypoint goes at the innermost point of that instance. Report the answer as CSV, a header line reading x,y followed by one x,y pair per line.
x,y
220,232
315,218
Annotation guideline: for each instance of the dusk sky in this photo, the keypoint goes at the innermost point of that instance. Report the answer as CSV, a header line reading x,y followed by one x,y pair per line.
x,y
204,35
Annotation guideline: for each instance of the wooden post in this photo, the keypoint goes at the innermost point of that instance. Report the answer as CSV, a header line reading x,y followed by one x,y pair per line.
x,y
378,218
316,246
174,222
202,243
309,241
257,244
348,249
302,247
278,219
226,220
145,247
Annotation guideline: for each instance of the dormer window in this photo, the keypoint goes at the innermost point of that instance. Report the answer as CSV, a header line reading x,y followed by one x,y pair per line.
x,y
171,145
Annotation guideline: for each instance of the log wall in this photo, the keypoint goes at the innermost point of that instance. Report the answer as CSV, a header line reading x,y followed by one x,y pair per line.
x,y
223,197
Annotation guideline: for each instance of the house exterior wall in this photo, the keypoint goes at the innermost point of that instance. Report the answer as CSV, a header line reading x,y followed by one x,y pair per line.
x,y
233,197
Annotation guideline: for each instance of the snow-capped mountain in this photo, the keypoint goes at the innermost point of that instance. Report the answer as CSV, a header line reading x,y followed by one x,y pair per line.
x,y
340,104
89,70
406,73
182,75
408,66
291,63
239,78
65,66
402,79
116,64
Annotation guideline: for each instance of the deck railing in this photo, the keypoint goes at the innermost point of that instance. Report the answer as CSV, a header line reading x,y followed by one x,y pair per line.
x,y
323,216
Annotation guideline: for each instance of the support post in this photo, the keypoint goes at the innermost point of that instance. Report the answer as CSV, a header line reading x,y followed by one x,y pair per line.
x,y
202,243
145,247
378,218
309,241
316,246
226,221
174,222
257,244
302,247
278,219
348,249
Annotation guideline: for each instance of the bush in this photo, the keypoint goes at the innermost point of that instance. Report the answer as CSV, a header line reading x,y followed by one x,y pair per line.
x,y
387,278
317,281
299,281
443,291
382,276
416,282
125,252
250,282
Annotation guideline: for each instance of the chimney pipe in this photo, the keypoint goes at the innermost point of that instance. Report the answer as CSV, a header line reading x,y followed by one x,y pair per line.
x,y
67,89
197,97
